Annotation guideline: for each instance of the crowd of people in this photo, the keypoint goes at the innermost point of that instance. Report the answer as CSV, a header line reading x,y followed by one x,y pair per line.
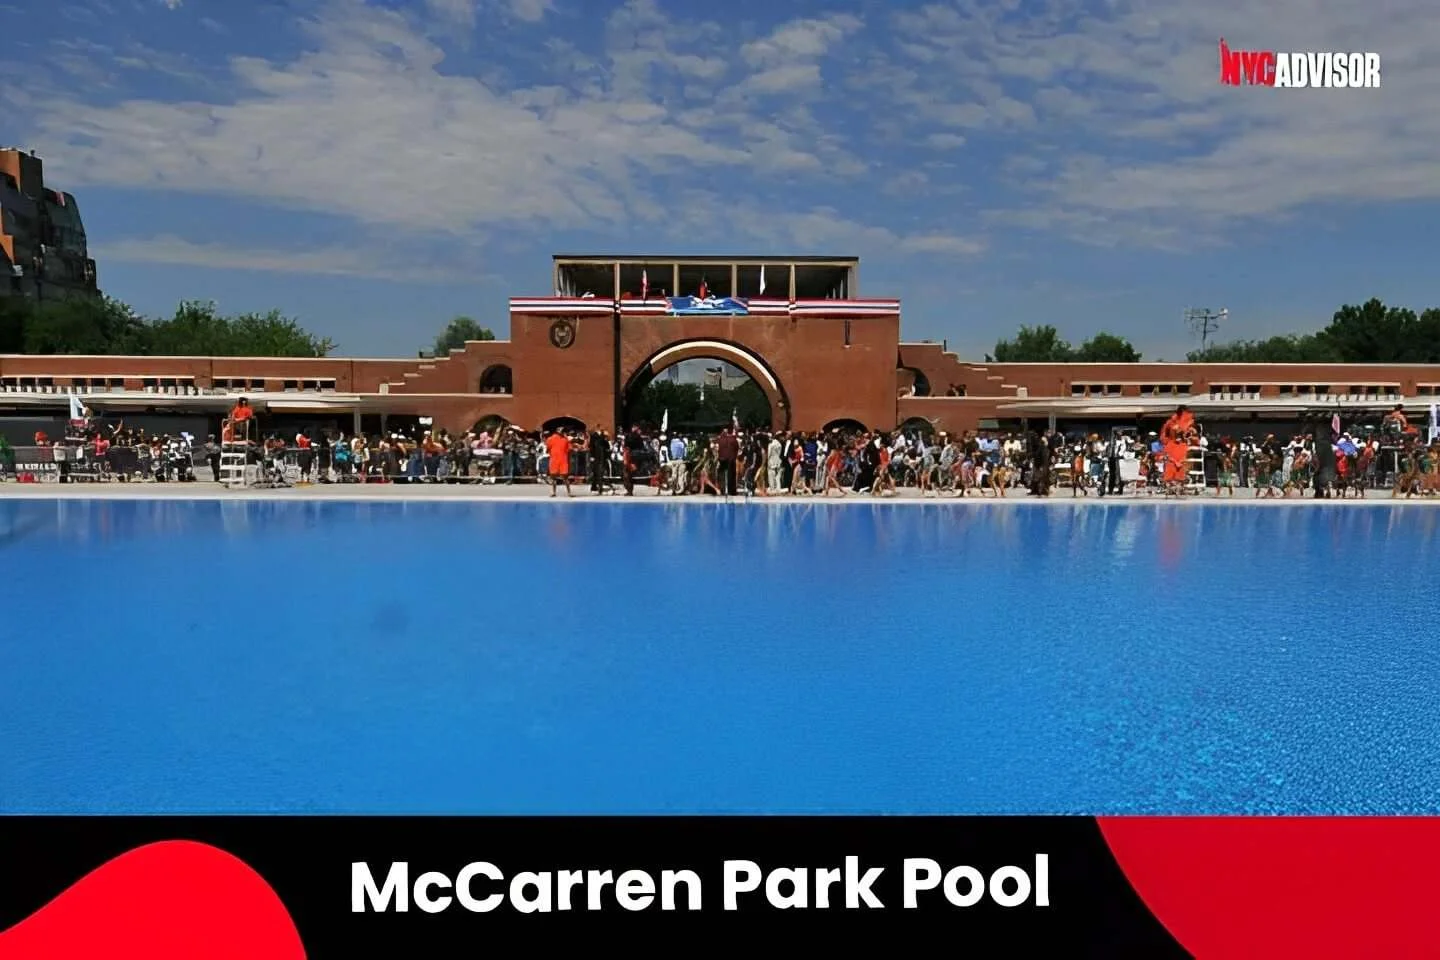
x,y
1177,460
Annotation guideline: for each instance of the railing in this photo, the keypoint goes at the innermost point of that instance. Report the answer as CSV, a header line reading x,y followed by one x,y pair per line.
x,y
292,465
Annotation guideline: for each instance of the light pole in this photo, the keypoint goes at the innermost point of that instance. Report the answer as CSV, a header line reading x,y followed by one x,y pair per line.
x,y
1205,321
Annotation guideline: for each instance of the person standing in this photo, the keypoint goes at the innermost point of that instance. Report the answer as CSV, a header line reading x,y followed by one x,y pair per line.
x,y
634,450
1114,453
728,453
557,446
599,459
775,464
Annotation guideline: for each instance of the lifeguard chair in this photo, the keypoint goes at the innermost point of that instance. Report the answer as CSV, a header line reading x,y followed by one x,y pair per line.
x,y
1195,470
237,440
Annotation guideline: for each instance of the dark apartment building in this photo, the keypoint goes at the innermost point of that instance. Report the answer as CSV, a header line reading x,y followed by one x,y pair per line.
x,y
43,252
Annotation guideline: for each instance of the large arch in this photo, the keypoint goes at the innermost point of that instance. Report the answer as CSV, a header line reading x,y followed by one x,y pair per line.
x,y
753,364
574,424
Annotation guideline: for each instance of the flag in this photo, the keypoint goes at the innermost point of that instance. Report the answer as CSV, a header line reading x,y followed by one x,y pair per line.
x,y
77,409
1335,424
704,289
665,421
762,280
644,284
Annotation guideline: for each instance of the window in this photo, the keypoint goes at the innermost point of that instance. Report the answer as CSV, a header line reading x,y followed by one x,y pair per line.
x,y
1426,390
290,386
497,379
1077,389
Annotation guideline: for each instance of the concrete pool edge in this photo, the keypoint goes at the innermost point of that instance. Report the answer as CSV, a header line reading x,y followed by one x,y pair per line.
x,y
385,493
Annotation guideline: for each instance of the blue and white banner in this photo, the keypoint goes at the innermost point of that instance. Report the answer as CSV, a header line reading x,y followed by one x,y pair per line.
x,y
698,306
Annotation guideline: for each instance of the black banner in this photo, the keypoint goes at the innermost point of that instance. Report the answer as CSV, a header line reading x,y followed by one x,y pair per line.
x,y
1021,886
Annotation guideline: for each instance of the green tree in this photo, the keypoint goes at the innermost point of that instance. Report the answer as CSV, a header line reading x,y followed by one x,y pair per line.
x,y
1107,348
1306,348
1376,333
275,335
458,332
84,325
688,411
1033,345
14,313
197,329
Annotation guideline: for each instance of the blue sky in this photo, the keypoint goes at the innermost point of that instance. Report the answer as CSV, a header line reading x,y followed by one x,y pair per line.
x,y
374,168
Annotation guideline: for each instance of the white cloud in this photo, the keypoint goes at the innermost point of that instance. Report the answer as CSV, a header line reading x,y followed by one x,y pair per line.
x,y
1104,123
800,40
368,262
1152,149
172,4
459,13
531,11
372,123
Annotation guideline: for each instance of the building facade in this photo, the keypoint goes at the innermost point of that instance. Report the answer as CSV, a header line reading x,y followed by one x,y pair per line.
x,y
44,253
827,358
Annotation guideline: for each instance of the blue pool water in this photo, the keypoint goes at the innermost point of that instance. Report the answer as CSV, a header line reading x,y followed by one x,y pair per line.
x,y
614,658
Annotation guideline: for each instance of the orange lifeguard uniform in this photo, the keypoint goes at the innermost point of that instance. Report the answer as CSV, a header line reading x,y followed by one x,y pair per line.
x,y
1175,438
558,446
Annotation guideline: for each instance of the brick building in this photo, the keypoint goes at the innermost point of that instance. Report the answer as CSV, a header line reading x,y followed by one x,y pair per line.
x,y
798,327
43,249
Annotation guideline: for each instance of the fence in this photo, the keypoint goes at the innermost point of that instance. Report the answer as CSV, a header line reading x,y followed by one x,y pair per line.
x,y
72,464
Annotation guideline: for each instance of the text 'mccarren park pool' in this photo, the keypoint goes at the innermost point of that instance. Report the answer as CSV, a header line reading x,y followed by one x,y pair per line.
x,y
448,657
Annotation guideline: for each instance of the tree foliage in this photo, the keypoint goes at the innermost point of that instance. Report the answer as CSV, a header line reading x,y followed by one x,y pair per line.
x,y
458,332
1043,344
1308,348
1369,333
688,412
108,327
1107,348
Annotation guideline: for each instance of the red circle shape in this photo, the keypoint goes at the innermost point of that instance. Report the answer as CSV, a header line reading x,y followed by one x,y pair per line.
x,y
1313,887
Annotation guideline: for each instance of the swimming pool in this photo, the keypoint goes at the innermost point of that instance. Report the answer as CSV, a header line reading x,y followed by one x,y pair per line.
x,y
252,656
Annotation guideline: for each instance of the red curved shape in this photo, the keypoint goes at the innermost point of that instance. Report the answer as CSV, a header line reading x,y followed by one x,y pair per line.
x,y
1313,887
163,901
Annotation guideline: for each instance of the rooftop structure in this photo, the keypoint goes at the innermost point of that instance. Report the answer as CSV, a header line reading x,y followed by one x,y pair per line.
x,y
624,276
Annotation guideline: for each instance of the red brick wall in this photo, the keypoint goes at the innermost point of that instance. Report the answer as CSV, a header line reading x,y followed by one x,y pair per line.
x,y
822,378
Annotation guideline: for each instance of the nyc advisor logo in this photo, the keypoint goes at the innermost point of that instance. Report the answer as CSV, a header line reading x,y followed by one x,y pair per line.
x,y
1294,71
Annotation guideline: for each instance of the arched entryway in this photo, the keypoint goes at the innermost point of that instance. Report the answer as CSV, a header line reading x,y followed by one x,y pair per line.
x,y
845,427
916,384
567,424
917,427
701,385
491,424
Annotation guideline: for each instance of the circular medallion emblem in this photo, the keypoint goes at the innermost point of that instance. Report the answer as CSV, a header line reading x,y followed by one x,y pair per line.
x,y
562,333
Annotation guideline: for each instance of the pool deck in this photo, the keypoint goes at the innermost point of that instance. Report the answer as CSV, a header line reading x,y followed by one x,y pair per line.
x,y
499,493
